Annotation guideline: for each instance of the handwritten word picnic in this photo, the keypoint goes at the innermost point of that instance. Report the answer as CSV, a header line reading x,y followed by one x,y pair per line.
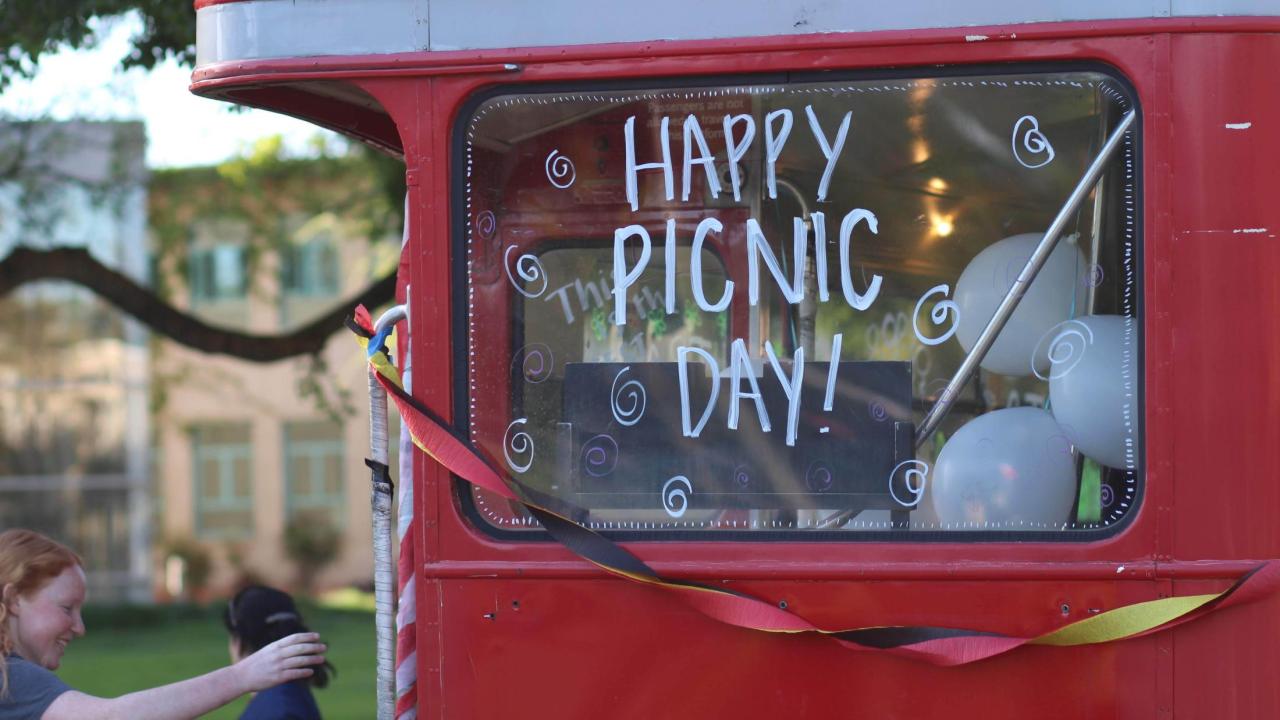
x,y
739,133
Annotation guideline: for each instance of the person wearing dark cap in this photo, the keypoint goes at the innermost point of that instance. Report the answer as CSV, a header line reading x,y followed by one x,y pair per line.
x,y
256,617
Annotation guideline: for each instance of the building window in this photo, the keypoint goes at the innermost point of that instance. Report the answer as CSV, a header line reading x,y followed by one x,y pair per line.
x,y
313,453
310,267
217,273
223,490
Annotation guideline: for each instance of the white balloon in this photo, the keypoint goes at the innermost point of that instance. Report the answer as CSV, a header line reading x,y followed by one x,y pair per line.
x,y
1007,467
1093,386
1048,301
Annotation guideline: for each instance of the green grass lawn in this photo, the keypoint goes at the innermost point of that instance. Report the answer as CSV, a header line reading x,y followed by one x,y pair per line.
x,y
137,648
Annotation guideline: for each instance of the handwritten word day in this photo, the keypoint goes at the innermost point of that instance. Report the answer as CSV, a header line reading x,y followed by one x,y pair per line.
x,y
739,134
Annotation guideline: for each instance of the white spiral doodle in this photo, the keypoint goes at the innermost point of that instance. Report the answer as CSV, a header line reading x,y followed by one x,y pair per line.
x,y
1095,276
558,168
671,496
600,455
917,468
486,225
938,315
877,411
520,443
1033,141
536,362
1070,340
1106,496
818,477
636,395
529,268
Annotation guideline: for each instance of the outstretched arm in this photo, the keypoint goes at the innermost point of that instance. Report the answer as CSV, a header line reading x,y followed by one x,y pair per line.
x,y
282,661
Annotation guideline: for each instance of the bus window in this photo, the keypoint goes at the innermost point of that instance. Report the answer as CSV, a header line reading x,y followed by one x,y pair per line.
x,y
726,308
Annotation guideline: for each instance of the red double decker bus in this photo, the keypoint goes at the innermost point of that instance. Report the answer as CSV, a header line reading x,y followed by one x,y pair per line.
x,y
952,322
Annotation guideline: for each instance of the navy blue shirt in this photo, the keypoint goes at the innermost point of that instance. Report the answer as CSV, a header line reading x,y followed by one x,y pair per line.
x,y
32,689
290,701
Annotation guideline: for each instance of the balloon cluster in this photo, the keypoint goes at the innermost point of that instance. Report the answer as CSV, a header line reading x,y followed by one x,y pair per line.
x,y
1016,466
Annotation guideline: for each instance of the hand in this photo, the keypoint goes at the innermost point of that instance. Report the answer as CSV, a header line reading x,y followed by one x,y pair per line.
x,y
282,661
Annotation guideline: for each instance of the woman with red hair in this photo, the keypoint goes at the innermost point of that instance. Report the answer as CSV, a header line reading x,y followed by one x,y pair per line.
x,y
42,589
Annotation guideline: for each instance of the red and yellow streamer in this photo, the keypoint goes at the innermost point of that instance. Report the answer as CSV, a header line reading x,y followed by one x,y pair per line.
x,y
936,645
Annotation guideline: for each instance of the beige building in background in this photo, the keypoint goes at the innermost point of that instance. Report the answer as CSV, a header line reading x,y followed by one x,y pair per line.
x,y
74,370
240,449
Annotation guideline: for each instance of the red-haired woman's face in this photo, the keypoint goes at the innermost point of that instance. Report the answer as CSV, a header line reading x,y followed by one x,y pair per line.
x,y
45,621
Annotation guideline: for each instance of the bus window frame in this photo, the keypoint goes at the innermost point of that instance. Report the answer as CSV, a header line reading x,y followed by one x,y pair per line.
x,y
459,225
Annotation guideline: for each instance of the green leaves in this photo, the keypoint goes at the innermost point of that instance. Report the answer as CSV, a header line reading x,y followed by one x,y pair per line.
x,y
31,28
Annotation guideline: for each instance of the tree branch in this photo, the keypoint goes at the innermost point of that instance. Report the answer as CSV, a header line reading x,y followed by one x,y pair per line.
x,y
25,265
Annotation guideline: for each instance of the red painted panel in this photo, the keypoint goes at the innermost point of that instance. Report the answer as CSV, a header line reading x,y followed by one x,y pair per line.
x,y
1227,412
1225,663
583,649
1224,252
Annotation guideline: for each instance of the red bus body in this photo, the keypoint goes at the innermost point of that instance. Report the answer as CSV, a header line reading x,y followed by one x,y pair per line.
x,y
526,628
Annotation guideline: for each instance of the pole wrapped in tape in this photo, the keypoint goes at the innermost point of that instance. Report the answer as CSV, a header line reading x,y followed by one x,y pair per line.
x,y
380,499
